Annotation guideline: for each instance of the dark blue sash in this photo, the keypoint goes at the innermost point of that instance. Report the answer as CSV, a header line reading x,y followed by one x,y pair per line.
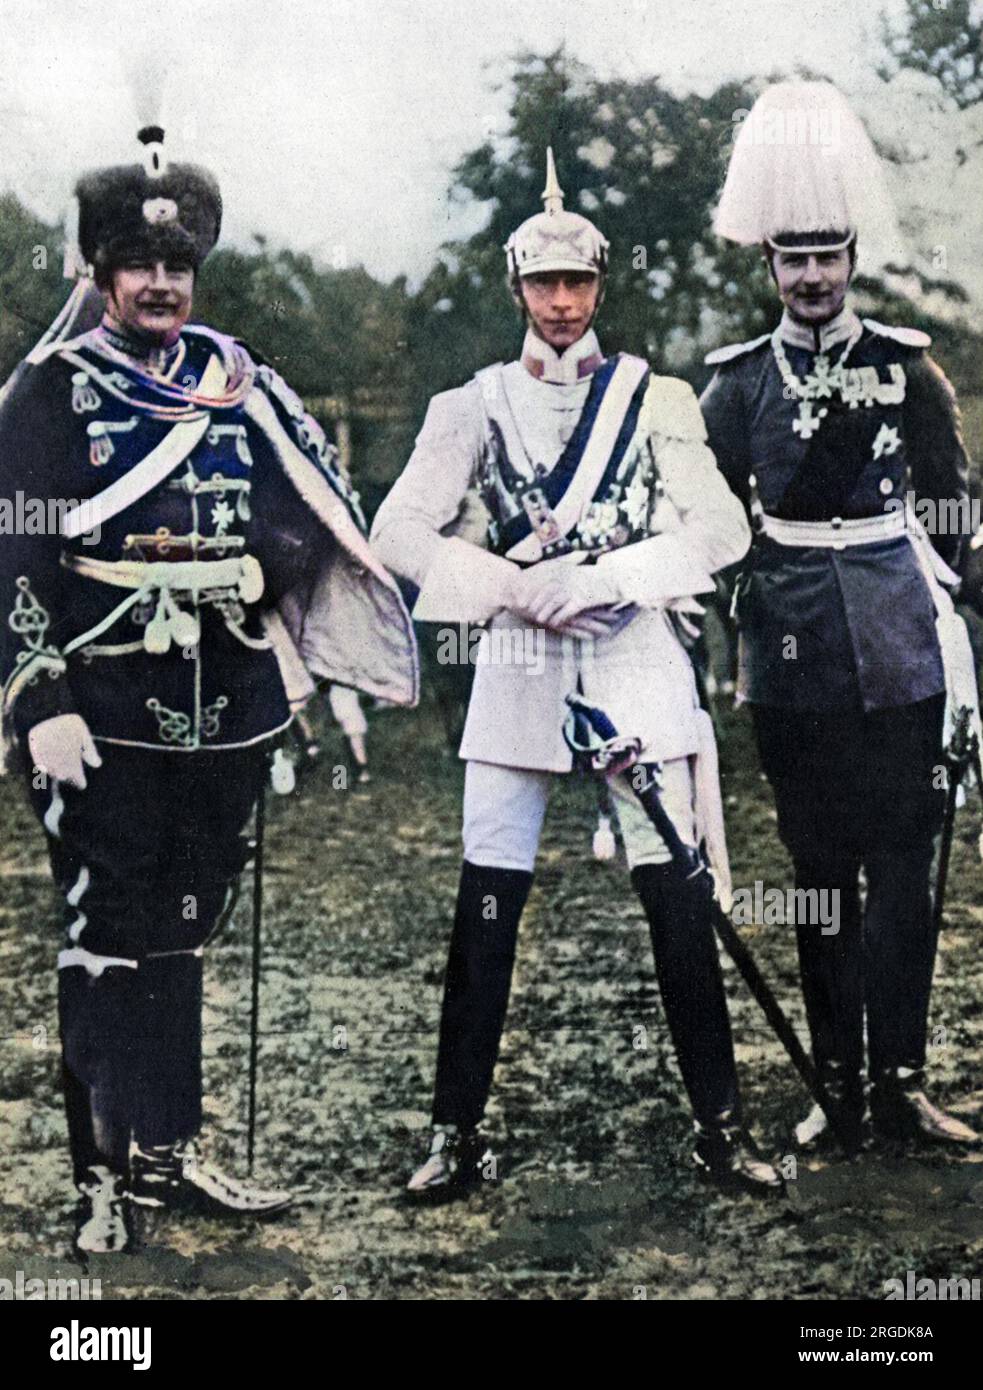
x,y
556,482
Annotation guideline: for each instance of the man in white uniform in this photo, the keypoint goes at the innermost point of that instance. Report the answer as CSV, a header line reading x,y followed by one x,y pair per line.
x,y
604,509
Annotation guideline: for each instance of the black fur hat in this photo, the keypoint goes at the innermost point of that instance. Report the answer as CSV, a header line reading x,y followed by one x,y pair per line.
x,y
133,210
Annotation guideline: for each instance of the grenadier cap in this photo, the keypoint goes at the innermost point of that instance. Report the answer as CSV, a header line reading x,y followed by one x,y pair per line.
x,y
555,239
153,209
804,176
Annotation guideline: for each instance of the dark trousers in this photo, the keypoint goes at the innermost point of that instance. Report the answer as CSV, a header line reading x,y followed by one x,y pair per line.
x,y
854,791
147,859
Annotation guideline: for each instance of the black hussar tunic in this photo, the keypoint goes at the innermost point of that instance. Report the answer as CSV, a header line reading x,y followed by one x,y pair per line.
x,y
182,689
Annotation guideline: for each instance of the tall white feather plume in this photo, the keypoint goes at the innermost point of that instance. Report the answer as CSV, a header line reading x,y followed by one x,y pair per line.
x,y
803,162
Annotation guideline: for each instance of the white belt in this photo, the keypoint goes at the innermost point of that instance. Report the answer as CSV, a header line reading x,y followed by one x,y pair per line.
x,y
838,533
181,576
241,577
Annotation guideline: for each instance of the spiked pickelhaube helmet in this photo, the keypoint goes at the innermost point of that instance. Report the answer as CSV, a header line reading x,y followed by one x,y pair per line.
x,y
554,239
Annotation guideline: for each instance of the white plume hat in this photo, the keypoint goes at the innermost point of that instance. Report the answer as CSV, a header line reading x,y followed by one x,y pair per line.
x,y
555,239
803,174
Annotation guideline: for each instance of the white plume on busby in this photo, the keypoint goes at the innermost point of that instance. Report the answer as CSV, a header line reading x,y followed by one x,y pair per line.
x,y
804,171
555,239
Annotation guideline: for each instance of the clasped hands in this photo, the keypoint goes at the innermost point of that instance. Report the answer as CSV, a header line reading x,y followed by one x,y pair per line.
x,y
573,600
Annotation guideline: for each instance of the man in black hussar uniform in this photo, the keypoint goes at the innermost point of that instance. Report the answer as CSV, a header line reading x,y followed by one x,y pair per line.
x,y
207,561
851,656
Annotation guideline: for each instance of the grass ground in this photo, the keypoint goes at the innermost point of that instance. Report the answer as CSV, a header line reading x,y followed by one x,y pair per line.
x,y
595,1199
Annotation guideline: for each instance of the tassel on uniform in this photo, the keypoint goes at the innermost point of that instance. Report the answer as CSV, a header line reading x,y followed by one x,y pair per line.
x,y
157,633
84,395
101,447
283,779
604,845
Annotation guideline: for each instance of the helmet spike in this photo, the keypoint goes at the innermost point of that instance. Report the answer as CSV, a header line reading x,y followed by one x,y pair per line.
x,y
552,193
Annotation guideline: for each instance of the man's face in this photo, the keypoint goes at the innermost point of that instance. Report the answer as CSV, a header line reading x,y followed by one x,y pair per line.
x,y
812,284
561,304
152,298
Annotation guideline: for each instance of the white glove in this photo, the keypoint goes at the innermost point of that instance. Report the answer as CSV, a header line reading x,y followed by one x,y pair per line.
x,y
580,600
62,747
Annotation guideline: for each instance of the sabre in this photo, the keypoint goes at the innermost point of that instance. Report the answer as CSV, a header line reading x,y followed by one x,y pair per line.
x,y
963,752
594,740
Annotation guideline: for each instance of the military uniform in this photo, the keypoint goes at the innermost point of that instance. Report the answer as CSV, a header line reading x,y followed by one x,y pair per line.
x,y
839,436
596,464
206,564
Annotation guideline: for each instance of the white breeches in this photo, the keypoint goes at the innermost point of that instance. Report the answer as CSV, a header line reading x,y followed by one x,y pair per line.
x,y
347,710
504,809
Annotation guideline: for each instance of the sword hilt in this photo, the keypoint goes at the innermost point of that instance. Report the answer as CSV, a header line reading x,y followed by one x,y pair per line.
x,y
594,741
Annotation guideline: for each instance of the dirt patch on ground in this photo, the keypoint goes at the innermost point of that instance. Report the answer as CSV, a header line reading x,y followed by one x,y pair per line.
x,y
594,1197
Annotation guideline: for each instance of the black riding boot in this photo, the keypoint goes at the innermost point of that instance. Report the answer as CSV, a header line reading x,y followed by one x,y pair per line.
x,y
476,990
901,942
831,967
687,968
476,995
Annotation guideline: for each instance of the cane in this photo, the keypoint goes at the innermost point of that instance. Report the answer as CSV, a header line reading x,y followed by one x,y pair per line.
x,y
591,736
254,1004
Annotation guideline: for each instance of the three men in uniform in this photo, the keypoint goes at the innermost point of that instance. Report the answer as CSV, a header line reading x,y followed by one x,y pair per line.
x,y
212,564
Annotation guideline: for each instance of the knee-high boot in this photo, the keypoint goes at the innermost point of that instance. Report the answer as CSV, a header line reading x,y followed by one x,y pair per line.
x,y
680,915
687,969
901,941
476,990
831,968
98,1015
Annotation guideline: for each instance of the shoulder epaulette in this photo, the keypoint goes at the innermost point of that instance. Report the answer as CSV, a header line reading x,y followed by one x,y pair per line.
x,y
487,379
910,337
732,350
670,408
633,357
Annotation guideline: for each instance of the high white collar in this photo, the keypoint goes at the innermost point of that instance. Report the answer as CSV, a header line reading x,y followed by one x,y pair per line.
x,y
823,336
578,361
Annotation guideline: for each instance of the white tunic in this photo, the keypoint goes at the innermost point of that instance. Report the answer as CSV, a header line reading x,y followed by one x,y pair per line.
x,y
641,676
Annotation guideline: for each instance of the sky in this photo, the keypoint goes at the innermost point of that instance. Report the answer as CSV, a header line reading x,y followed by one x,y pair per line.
x,y
333,125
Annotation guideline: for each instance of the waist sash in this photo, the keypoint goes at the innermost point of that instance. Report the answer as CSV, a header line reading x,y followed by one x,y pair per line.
x,y
836,534
219,582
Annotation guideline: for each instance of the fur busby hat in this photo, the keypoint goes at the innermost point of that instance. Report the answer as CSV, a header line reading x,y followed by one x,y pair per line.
x,y
154,209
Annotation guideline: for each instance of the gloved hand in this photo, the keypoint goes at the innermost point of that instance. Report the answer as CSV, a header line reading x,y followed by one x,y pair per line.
x,y
62,747
571,599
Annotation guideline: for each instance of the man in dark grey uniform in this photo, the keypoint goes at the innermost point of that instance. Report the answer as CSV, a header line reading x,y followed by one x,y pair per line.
x,y
822,428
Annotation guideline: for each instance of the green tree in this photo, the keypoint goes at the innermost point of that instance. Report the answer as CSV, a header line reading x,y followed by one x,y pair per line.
x,y
32,287
646,166
943,38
